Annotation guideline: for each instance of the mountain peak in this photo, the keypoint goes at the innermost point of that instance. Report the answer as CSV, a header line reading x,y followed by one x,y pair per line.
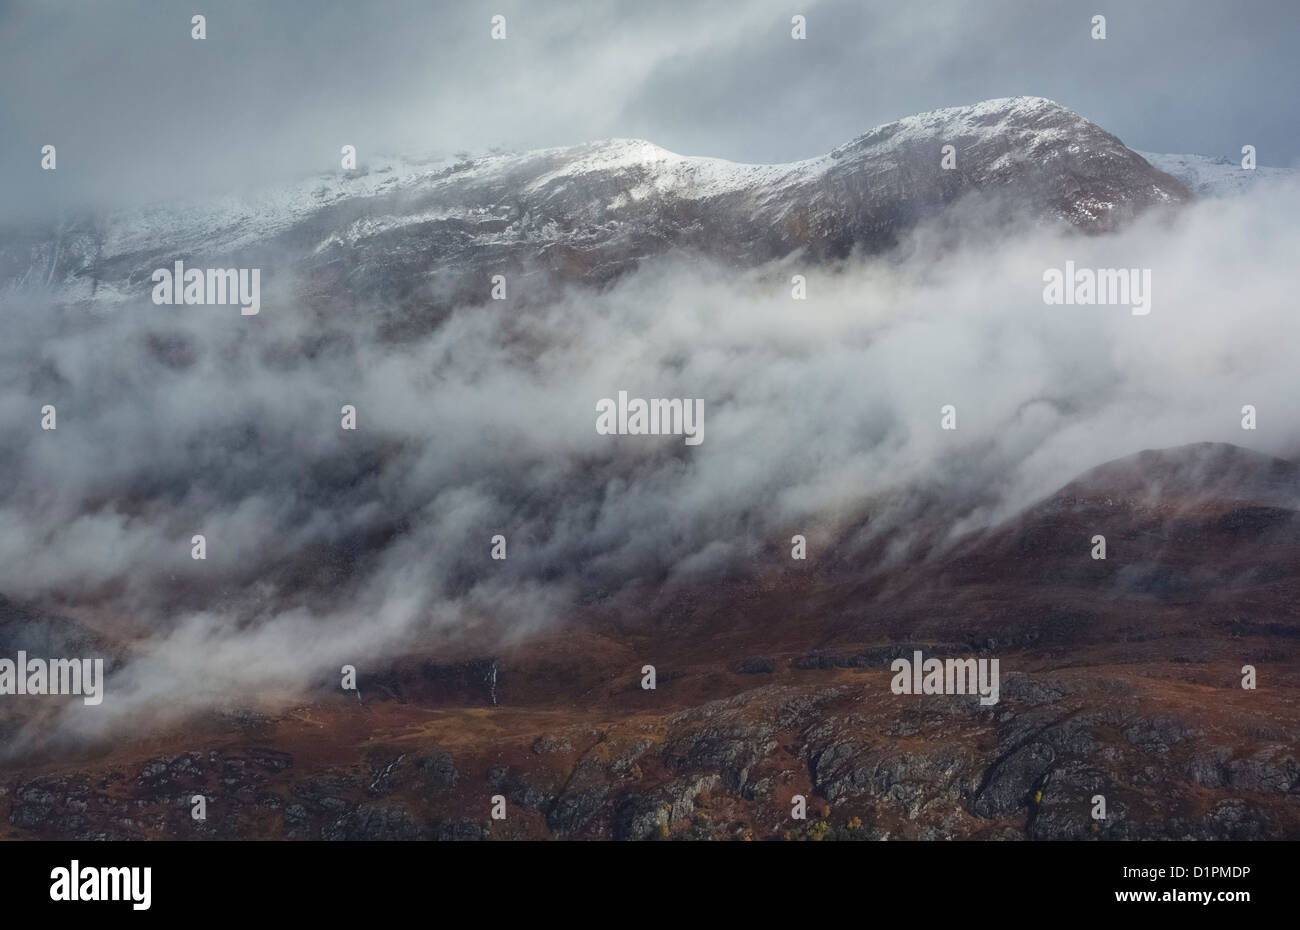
x,y
594,211
1024,119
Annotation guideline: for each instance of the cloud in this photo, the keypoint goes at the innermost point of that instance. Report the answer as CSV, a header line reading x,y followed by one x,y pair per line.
x,y
821,417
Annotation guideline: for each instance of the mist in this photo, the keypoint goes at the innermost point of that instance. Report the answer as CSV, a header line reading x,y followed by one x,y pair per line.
x,y
821,416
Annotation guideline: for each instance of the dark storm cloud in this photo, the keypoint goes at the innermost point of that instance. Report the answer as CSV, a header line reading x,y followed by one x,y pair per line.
x,y
140,111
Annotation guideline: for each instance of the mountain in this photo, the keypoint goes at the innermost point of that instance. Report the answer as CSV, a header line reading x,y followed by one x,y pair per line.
x,y
1120,676
1116,680
425,237
1208,176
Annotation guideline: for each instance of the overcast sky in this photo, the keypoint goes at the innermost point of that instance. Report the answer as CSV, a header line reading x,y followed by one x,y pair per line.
x,y
138,110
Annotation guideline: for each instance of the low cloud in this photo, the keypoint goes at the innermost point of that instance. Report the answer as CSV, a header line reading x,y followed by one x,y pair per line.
x,y
328,546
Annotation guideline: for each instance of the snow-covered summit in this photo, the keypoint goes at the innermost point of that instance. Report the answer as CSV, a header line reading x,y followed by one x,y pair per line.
x,y
406,230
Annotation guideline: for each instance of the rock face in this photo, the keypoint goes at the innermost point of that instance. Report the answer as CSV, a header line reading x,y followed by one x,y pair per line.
x,y
1027,769
418,239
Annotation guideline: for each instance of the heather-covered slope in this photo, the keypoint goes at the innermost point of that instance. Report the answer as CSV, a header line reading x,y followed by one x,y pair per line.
x,y
1109,686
